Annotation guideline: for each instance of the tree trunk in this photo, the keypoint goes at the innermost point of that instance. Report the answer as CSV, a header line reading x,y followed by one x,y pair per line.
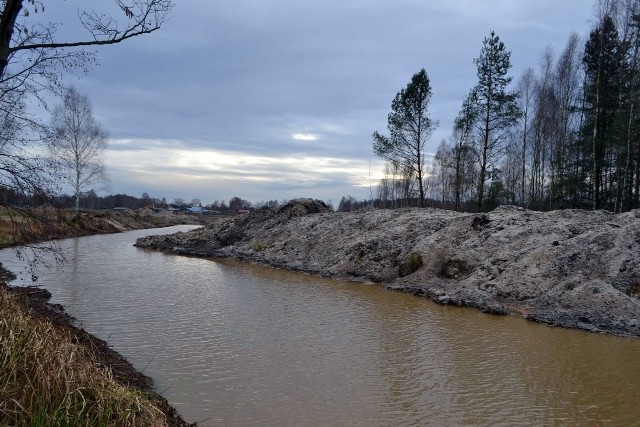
x,y
77,207
458,177
595,179
628,173
7,24
77,188
524,160
419,177
485,150
637,186
627,168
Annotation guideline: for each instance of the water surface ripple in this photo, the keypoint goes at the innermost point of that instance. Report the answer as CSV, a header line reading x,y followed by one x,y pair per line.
x,y
238,344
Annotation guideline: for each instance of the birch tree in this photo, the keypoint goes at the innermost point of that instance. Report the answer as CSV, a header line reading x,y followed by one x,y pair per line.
x,y
77,142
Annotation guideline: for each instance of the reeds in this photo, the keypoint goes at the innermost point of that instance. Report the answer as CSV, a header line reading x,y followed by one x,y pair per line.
x,y
48,379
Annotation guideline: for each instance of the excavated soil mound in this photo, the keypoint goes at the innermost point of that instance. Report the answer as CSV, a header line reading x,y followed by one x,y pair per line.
x,y
570,268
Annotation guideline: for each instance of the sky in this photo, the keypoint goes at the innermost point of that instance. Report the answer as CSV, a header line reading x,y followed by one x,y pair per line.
x,y
277,99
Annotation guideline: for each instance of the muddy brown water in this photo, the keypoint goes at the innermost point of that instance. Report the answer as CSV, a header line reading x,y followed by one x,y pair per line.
x,y
229,343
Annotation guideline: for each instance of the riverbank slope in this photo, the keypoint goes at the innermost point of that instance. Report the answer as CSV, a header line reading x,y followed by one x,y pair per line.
x,y
571,268
41,224
53,373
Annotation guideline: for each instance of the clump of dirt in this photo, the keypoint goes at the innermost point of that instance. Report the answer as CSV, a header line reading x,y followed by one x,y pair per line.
x,y
454,268
302,207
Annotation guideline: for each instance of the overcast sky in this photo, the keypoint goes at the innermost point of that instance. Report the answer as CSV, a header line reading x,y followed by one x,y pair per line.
x,y
276,99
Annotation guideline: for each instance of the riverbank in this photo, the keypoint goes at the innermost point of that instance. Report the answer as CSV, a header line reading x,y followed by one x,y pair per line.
x,y
97,381
53,373
571,268
41,224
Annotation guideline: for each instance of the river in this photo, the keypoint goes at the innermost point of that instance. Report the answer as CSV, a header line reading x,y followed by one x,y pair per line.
x,y
230,343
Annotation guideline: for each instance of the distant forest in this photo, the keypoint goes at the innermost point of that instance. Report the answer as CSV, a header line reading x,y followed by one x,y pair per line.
x,y
91,200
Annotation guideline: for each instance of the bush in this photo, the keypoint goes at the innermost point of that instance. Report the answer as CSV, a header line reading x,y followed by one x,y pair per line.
x,y
258,246
411,265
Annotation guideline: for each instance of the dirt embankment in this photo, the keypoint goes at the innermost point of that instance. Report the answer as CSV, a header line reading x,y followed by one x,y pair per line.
x,y
571,268
42,224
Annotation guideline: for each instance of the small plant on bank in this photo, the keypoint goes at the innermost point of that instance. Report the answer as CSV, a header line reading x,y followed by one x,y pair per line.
x,y
411,265
258,246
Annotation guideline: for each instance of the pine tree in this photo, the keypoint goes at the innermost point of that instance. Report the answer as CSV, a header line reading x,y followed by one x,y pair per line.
x,y
409,128
494,106
602,62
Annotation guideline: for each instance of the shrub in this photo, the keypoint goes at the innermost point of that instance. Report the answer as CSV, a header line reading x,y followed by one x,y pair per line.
x,y
258,246
411,265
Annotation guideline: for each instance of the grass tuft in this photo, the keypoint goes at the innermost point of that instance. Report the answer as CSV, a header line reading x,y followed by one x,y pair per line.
x,y
411,265
258,246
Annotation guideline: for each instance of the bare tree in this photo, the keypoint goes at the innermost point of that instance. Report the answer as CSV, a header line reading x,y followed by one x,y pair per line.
x,y
526,86
443,176
543,130
464,148
77,142
567,83
33,60
25,49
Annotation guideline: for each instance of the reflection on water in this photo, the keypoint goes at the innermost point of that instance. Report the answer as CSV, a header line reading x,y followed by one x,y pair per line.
x,y
238,344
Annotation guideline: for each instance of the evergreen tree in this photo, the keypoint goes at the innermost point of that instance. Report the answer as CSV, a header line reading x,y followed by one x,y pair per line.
x,y
409,128
603,64
494,107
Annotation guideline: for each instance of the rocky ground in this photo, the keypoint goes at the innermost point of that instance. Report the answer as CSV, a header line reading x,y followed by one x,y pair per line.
x,y
570,268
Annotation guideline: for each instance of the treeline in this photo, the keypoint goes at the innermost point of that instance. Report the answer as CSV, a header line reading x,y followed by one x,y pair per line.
x,y
91,200
566,135
349,204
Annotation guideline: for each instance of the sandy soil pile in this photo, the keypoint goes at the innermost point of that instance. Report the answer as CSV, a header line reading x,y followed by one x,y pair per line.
x,y
570,268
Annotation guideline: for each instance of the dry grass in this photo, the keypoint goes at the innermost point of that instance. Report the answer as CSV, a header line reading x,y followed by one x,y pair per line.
x,y
48,379
258,246
29,225
411,265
